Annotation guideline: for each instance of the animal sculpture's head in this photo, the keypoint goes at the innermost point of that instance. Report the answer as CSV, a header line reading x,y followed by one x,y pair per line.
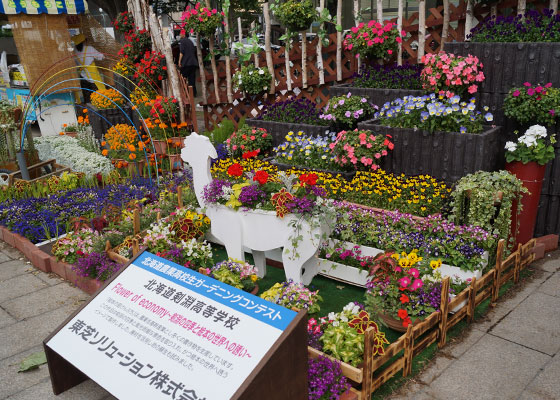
x,y
197,147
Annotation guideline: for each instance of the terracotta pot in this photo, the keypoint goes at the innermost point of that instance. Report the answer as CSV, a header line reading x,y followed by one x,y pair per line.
x,y
160,146
532,175
255,290
136,168
175,161
71,134
178,139
393,323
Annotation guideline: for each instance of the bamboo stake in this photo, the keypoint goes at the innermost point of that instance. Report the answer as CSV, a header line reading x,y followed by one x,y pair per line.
x,y
421,29
497,271
339,41
213,62
203,86
399,28
445,28
553,6
229,90
136,221
320,66
379,11
287,61
356,23
239,30
468,19
254,32
304,59
521,7
267,47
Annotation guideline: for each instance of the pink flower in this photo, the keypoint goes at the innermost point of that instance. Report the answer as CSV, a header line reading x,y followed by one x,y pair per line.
x,y
404,281
548,85
551,112
530,91
516,93
472,89
417,284
414,272
527,84
389,51
377,155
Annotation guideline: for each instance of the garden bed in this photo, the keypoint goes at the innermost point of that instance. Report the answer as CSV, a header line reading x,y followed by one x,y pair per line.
x,y
375,95
348,175
398,356
446,156
279,130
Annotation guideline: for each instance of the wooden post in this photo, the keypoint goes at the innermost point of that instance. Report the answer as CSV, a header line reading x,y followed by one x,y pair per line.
x,y
444,307
445,28
399,28
472,300
320,66
367,379
304,59
421,29
239,30
517,267
287,60
408,350
498,271
180,196
267,47
379,11
356,23
135,247
339,41
203,87
229,91
214,70
553,6
468,19
136,221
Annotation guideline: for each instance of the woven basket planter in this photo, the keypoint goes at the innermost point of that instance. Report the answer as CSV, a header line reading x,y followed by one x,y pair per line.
x,y
446,156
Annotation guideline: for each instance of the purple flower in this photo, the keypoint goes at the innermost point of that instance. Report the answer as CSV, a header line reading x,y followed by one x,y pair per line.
x,y
325,379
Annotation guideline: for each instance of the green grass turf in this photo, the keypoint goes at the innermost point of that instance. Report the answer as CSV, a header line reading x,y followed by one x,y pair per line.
x,y
336,295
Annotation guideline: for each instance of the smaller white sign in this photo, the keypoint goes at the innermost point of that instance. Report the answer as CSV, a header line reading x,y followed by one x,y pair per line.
x,y
161,331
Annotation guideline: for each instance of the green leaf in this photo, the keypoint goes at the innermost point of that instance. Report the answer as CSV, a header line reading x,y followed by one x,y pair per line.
x,y
33,361
338,28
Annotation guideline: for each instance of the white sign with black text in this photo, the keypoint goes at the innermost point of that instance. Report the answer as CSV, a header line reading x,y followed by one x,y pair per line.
x,y
161,331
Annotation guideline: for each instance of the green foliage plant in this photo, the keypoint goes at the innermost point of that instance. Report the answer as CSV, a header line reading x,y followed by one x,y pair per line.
x,y
296,15
343,343
533,104
485,199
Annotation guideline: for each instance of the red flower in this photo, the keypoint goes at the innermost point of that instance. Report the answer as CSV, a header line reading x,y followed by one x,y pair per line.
x,y
402,313
250,154
407,321
310,179
261,177
235,170
404,299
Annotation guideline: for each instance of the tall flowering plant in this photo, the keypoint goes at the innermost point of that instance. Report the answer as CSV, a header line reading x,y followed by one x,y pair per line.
x,y
137,43
403,294
533,145
360,149
202,20
450,75
151,68
374,40
536,104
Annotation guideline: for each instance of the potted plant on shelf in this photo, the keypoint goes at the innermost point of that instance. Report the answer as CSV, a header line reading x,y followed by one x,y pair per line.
x,y
360,149
437,136
399,296
514,49
248,142
293,114
126,147
252,80
344,112
235,273
527,160
383,83
373,40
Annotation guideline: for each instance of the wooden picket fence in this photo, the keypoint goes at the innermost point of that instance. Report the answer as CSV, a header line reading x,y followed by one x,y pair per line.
x,y
399,355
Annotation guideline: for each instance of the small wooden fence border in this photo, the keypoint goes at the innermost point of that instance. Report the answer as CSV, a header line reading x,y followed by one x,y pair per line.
x,y
377,370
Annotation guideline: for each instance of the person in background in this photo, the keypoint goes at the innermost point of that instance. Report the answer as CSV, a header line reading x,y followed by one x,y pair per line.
x,y
85,57
188,62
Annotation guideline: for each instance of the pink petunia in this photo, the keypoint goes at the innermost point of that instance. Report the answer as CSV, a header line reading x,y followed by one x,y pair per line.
x,y
516,93
404,281
417,284
414,272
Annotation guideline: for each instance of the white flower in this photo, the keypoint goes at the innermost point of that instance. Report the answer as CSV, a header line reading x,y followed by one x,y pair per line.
x,y
536,131
528,141
261,71
510,146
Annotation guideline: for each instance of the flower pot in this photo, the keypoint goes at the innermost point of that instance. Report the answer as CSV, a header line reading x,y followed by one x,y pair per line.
x,y
178,139
393,323
279,130
175,161
71,134
136,168
446,156
255,290
343,273
160,146
531,174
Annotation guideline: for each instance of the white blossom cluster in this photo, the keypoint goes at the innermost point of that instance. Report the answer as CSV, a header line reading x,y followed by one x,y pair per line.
x,y
529,139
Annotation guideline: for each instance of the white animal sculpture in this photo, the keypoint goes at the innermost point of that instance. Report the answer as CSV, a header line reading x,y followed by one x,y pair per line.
x,y
258,230
4,179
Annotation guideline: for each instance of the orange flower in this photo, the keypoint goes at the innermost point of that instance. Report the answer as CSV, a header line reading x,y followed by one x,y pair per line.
x,y
85,110
157,121
169,140
61,133
132,156
162,126
64,125
131,148
103,143
173,125
105,152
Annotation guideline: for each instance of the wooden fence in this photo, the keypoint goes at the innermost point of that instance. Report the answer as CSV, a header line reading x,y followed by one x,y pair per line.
x,y
399,355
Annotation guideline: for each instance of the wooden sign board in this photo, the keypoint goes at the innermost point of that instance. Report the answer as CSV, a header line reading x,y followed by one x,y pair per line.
x,y
157,330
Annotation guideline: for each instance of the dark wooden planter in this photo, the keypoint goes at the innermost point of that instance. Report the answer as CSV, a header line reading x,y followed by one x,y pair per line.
x,y
348,175
279,130
446,156
508,65
375,95
102,120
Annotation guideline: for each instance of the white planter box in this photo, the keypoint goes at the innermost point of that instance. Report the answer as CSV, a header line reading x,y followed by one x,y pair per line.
x,y
343,273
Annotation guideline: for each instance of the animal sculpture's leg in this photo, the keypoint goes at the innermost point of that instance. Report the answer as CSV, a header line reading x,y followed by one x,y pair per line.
x,y
260,262
300,263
